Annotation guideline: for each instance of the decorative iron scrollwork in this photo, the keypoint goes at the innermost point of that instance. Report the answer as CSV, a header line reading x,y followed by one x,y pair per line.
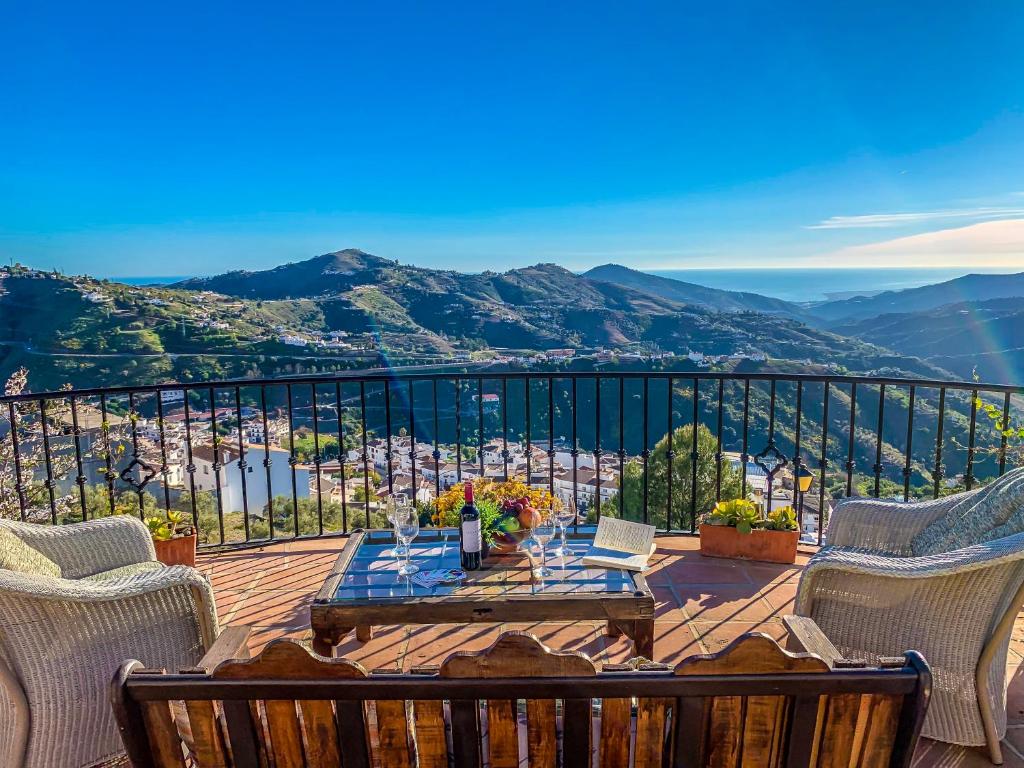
x,y
147,473
771,460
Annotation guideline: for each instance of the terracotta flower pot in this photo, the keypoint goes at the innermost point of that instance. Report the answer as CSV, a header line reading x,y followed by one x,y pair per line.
x,y
765,546
177,551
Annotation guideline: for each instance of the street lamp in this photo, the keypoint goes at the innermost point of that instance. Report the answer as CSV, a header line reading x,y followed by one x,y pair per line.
x,y
804,478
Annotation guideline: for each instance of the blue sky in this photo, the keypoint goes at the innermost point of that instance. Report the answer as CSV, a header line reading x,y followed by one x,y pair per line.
x,y
195,138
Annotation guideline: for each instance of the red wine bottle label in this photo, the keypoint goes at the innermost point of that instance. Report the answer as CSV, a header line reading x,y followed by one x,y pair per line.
x,y
471,536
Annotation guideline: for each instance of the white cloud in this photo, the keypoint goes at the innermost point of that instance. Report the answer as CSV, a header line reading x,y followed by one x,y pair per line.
x,y
986,244
900,219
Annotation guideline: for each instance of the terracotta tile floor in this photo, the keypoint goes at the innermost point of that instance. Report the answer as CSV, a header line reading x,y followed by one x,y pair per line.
x,y
702,604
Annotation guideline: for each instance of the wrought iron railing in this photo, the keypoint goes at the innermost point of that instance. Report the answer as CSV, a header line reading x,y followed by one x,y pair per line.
x,y
259,460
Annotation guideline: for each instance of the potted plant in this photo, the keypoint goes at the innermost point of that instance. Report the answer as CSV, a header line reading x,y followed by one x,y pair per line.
x,y
738,529
173,538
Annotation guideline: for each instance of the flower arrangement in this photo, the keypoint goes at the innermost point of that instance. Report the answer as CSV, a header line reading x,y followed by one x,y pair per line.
x,y
505,508
492,492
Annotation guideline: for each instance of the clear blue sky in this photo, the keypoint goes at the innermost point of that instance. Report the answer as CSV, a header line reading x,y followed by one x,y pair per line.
x,y
194,138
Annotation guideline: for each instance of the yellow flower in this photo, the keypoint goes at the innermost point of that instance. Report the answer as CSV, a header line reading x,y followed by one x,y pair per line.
x,y
451,501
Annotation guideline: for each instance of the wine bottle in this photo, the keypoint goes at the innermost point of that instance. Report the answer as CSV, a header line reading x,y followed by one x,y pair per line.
x,y
470,541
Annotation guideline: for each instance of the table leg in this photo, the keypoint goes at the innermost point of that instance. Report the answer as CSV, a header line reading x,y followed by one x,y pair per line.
x,y
643,638
641,632
612,629
364,633
325,640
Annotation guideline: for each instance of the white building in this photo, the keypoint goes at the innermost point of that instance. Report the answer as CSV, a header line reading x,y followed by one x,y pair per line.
x,y
586,487
255,476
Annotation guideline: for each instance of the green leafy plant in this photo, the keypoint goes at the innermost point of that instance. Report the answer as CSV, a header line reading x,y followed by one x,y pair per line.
x,y
490,516
740,514
782,519
169,527
159,529
744,516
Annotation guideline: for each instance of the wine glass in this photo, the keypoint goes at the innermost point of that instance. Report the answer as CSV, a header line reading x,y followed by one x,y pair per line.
x,y
407,528
393,505
564,516
542,532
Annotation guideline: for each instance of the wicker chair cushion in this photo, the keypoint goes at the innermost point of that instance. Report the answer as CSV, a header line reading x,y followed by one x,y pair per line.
x,y
994,512
16,555
126,570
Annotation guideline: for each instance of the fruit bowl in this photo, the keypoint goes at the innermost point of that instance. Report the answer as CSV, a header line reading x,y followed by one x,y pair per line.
x,y
517,517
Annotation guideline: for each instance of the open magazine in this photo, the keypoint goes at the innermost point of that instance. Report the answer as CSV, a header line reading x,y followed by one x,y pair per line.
x,y
621,544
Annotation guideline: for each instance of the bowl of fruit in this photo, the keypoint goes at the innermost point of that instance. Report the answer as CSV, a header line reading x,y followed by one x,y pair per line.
x,y
516,517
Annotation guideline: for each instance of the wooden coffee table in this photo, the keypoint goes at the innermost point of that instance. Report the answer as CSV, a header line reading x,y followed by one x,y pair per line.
x,y
364,590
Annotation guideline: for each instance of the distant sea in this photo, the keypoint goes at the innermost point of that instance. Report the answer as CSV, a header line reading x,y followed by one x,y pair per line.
x,y
817,284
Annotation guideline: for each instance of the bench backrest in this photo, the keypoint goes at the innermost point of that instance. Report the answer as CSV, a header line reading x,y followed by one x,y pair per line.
x,y
753,704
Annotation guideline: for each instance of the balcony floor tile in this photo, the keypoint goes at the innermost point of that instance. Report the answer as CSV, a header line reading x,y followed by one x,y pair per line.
x,y
702,604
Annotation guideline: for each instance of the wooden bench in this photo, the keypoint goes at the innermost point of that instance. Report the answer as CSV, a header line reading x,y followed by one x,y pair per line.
x,y
753,704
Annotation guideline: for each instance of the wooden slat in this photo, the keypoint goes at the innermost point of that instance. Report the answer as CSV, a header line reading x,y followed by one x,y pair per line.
x,y
764,725
519,654
163,735
319,734
691,721
541,737
288,660
502,733
803,729
577,745
242,737
128,714
465,733
393,733
748,729
839,731
613,746
259,720
725,732
207,741
231,643
750,653
431,744
880,731
285,736
804,636
355,752
650,732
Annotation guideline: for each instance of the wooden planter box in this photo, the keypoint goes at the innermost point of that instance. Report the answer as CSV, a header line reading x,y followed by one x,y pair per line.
x,y
765,546
178,551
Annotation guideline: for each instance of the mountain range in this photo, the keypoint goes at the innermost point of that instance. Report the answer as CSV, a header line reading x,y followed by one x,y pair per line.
x,y
693,294
927,297
268,322
547,306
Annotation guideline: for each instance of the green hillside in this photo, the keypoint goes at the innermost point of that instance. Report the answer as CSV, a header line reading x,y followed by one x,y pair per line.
x,y
94,333
982,336
690,293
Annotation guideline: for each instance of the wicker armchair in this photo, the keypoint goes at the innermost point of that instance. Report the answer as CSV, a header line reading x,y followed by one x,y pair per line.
x,y
872,597
62,638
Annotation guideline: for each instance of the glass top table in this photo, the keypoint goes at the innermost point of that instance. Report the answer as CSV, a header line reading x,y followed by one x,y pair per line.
x,y
372,573
364,589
